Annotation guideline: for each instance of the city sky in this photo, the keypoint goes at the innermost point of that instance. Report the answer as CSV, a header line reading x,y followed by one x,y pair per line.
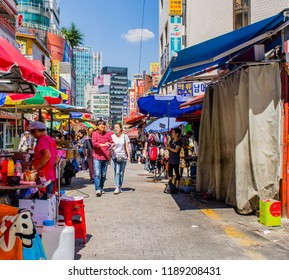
x,y
114,28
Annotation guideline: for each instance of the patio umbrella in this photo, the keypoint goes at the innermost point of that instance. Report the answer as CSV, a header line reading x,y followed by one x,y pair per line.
x,y
163,124
13,65
51,95
164,106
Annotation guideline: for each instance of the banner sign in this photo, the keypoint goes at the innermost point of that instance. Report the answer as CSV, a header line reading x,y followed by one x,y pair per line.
x,y
175,7
191,88
175,35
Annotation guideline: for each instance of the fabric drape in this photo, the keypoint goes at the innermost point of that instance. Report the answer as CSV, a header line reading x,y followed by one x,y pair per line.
x,y
239,143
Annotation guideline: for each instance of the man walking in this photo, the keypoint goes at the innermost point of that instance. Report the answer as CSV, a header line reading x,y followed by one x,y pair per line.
x,y
102,142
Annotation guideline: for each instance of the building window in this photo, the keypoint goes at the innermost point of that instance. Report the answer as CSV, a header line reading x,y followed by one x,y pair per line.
x,y
242,10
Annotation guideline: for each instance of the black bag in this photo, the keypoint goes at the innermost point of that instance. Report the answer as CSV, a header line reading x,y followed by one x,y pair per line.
x,y
120,159
170,188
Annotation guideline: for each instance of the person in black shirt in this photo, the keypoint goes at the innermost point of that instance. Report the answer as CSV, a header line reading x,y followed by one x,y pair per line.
x,y
174,148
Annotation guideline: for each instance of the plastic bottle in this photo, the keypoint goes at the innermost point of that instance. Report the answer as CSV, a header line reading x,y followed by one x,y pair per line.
x,y
10,167
18,168
4,170
58,240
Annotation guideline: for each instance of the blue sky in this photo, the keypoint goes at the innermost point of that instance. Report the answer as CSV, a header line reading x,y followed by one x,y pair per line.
x,y
114,27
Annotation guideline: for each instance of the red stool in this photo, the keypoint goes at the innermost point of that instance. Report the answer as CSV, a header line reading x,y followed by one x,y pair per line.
x,y
73,210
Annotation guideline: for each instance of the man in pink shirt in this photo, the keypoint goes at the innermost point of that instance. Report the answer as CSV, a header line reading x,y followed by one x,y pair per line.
x,y
102,142
45,153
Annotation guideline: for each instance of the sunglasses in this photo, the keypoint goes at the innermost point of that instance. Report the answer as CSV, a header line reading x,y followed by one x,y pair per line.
x,y
32,131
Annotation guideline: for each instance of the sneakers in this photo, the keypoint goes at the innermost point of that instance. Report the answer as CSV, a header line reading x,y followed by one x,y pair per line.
x,y
102,192
116,191
120,190
98,193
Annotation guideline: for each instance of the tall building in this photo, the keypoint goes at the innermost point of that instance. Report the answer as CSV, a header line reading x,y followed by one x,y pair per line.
x,y
40,14
82,60
118,92
96,64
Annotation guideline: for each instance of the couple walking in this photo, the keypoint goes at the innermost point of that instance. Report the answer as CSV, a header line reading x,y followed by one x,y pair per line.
x,y
106,146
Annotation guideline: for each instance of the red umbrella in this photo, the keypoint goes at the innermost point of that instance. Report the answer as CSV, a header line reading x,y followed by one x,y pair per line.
x,y
10,56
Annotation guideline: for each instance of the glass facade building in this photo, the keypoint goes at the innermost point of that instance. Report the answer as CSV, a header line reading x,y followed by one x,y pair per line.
x,y
40,14
118,92
82,62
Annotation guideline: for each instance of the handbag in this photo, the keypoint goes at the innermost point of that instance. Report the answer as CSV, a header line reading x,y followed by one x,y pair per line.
x,y
120,159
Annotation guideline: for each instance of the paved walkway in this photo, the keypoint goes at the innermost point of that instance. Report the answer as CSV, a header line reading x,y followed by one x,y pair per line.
x,y
144,223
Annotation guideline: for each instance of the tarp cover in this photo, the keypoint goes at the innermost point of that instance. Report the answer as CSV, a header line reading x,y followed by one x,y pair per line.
x,y
239,141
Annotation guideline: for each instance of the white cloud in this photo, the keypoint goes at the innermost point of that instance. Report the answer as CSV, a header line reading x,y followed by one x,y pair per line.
x,y
135,35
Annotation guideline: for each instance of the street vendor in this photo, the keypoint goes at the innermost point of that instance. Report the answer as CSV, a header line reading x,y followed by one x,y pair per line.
x,y
45,153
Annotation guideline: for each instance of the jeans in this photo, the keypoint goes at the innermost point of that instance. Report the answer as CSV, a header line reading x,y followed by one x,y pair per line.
x,y
118,172
100,168
49,188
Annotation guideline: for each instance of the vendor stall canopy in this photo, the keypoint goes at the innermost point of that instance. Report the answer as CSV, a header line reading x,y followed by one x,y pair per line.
x,y
222,50
17,74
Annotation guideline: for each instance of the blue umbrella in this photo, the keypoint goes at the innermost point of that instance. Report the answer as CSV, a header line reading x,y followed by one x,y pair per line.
x,y
162,125
165,106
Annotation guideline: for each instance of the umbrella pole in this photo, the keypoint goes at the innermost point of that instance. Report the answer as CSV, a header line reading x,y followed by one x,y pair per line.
x,y
169,107
51,122
16,128
69,129
39,115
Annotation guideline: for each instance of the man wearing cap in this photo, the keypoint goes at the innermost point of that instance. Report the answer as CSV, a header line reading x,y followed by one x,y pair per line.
x,y
45,153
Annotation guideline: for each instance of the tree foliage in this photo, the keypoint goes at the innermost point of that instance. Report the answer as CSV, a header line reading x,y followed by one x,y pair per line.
x,y
73,35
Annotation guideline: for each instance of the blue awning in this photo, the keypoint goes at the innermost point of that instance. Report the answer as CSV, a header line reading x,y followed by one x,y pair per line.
x,y
218,51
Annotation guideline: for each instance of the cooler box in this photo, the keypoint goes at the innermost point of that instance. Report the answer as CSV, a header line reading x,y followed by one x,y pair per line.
x,y
40,209
270,212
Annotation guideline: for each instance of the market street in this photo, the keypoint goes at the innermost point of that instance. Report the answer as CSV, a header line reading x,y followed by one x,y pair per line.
x,y
144,223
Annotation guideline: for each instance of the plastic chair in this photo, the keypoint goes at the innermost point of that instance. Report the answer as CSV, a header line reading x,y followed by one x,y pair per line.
x,y
73,210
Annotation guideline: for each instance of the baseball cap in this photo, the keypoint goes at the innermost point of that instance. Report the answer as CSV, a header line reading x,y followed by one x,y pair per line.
x,y
36,125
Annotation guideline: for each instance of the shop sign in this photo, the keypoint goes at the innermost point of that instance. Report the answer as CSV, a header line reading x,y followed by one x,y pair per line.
x,y
175,7
191,88
55,71
175,35
154,67
9,115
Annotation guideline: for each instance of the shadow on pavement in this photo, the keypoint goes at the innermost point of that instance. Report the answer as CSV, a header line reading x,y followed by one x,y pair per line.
x,y
193,201
79,244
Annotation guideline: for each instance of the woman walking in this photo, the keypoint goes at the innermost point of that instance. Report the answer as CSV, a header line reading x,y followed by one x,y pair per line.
x,y
120,155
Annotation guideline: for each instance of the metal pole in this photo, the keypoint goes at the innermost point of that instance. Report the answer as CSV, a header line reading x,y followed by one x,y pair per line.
x,y
51,122
169,107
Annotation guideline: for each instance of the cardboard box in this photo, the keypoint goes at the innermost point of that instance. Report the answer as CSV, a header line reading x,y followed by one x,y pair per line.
x,y
38,207
270,212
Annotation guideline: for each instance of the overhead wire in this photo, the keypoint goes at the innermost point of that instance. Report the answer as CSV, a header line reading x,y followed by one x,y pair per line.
x,y
142,26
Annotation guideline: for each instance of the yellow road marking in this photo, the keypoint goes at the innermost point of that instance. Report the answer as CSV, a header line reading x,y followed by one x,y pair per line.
x,y
233,233
212,214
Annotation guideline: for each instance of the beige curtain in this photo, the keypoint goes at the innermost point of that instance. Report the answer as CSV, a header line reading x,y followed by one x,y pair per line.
x,y
239,138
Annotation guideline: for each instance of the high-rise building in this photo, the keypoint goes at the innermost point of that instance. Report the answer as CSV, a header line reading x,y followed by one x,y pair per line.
x,y
96,64
82,60
40,14
118,92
